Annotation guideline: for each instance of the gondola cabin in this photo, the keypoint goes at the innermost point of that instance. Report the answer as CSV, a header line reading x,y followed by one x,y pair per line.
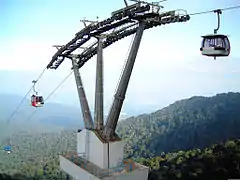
x,y
37,101
215,45
8,149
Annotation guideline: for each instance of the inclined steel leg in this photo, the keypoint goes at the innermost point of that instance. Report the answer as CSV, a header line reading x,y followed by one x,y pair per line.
x,y
98,112
116,107
88,122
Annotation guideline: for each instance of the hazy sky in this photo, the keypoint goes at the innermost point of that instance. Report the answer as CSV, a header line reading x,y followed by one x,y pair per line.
x,y
169,65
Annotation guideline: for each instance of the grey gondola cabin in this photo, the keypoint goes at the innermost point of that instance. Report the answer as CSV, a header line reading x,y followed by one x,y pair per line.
x,y
215,45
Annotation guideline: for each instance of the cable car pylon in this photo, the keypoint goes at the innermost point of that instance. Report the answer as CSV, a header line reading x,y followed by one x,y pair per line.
x,y
87,117
86,113
98,110
98,142
119,97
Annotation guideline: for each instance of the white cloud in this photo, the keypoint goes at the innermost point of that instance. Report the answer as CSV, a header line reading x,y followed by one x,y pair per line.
x,y
25,55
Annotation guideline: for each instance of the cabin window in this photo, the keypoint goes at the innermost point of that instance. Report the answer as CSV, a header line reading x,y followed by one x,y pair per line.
x,y
227,43
208,43
220,42
33,98
214,42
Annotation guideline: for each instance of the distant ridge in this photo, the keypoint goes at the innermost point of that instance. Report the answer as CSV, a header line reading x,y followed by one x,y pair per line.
x,y
53,114
186,124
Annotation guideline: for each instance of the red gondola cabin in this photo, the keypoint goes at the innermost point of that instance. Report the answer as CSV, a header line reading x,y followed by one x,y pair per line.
x,y
37,101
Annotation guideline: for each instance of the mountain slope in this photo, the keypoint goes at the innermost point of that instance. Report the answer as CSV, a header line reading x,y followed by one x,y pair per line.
x,y
32,152
221,161
52,115
194,122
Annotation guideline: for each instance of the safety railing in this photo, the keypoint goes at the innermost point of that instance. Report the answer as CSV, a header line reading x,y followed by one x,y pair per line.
x,y
122,167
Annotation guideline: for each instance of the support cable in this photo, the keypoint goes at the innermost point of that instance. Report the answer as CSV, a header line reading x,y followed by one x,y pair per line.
x,y
19,105
59,85
211,11
192,14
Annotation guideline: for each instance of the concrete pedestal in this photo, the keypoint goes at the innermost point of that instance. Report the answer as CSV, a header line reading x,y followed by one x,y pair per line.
x,y
104,162
104,155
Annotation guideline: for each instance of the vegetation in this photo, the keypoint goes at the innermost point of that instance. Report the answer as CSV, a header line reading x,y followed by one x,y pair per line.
x,y
36,155
186,124
219,162
196,138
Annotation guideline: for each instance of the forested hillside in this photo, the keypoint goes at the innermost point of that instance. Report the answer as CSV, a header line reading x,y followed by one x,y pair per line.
x,y
220,162
185,124
175,142
36,157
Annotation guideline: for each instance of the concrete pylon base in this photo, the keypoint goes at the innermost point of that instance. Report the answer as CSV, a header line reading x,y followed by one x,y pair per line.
x,y
103,161
104,154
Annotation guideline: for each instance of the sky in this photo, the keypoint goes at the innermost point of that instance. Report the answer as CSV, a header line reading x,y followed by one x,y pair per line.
x,y
169,65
